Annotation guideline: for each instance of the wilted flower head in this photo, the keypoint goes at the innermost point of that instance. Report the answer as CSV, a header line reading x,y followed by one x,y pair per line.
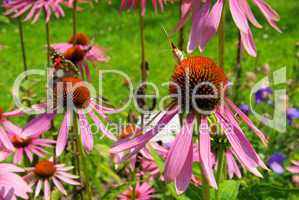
x,y
206,19
34,8
142,192
11,182
191,89
275,163
45,172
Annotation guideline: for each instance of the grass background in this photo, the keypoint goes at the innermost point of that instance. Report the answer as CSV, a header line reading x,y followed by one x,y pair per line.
x,y
119,33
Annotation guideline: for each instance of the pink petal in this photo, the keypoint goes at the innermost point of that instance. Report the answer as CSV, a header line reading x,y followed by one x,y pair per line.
x,y
63,134
184,177
247,10
86,134
185,12
59,186
179,151
247,121
38,125
5,140
47,190
205,152
248,43
148,135
232,166
238,16
11,128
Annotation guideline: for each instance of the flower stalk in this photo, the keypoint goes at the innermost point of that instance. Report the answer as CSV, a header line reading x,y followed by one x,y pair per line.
x,y
181,32
238,67
21,33
47,26
220,168
221,38
74,19
143,64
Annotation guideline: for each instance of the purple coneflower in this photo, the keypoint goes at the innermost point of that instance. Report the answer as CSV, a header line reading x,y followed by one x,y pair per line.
x,y
275,163
80,100
142,192
27,141
46,171
205,21
191,77
34,8
6,124
129,4
80,51
263,95
11,182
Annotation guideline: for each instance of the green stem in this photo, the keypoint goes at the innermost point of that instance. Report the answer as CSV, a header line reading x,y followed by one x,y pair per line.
x,y
221,38
74,19
82,159
143,62
134,184
220,169
21,32
238,68
181,32
76,151
48,43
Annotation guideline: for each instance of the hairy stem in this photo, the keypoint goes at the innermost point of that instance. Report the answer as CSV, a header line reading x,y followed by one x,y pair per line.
x,y
181,32
21,32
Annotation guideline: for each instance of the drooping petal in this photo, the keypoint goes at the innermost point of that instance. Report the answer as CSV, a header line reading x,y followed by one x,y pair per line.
x,y
11,128
248,43
148,135
238,16
186,6
247,121
179,151
232,166
38,125
47,190
184,177
86,134
5,140
247,11
63,134
205,152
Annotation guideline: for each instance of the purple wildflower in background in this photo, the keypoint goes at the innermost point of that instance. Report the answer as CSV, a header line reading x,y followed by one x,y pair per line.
x,y
263,94
276,163
292,113
244,108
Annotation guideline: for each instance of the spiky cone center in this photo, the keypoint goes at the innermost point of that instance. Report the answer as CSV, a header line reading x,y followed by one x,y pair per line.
x,y
73,91
74,54
44,169
130,131
79,39
20,142
199,82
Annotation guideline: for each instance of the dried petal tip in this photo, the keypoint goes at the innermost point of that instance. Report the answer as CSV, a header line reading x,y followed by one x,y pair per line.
x,y
130,131
79,39
45,169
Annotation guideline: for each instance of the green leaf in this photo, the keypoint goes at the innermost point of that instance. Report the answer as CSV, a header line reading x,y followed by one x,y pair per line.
x,y
229,189
4,19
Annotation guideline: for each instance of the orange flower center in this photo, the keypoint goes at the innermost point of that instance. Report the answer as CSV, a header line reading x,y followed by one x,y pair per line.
x,y
74,54
130,194
20,142
79,93
44,169
130,131
79,38
198,82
